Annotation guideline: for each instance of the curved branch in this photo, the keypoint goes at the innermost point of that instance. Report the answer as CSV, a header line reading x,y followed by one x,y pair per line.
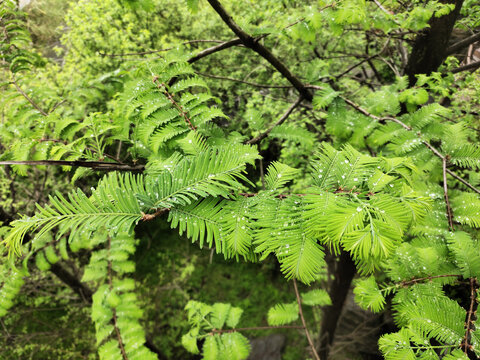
x,y
95,165
252,43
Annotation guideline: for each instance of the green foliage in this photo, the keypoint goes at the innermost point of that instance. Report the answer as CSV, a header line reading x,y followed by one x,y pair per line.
x,y
282,314
209,322
364,179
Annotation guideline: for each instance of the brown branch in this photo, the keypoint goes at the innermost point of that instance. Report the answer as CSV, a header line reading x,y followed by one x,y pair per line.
x,y
445,194
466,183
222,331
279,122
214,49
29,99
159,212
57,105
381,7
95,165
161,50
234,42
463,43
114,312
245,82
367,59
163,88
406,127
366,113
72,282
252,43
472,66
471,316
428,278
300,312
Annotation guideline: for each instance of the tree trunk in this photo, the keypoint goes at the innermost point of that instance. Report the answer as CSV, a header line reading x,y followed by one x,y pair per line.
x,y
343,270
430,47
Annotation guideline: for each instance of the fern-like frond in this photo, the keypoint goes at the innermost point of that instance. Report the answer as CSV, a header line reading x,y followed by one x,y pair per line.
x,y
427,115
466,252
316,297
324,97
110,206
210,173
368,295
439,317
282,230
282,314
201,220
466,156
278,175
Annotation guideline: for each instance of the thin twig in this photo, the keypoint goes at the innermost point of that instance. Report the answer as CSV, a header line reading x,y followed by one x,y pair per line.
x,y
262,174
300,312
406,127
466,345
367,59
57,105
162,50
162,87
159,212
214,49
279,122
29,99
245,82
96,165
445,194
428,278
222,331
114,312
466,183
381,7
252,43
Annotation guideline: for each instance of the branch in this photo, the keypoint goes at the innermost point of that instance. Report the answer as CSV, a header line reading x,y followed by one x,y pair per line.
x,y
95,165
214,49
300,311
471,316
463,43
367,59
114,311
162,50
245,82
445,194
472,66
381,7
159,212
34,104
253,44
72,282
163,88
221,331
428,278
279,122
466,183
408,128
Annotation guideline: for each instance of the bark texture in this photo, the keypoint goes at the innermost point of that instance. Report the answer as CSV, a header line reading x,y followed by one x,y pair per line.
x,y
430,47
